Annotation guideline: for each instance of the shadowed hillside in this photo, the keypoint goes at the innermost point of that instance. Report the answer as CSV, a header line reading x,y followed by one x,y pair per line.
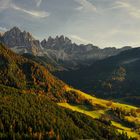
x,y
114,77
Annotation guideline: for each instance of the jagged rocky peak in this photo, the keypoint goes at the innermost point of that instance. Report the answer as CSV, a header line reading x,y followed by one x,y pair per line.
x,y
14,30
43,42
62,39
21,41
47,43
28,35
58,41
50,39
68,41
17,34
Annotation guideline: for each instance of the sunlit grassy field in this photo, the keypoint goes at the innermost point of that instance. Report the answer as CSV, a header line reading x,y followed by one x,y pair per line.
x,y
106,106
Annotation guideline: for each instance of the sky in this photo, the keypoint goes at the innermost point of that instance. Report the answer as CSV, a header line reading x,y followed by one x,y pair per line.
x,y
104,23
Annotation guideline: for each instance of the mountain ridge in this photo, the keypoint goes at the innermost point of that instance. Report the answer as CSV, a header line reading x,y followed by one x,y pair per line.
x,y
59,50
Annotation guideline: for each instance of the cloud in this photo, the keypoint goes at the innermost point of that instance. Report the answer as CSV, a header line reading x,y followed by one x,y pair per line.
x,y
38,2
132,10
121,4
37,14
79,39
85,5
5,4
3,29
79,8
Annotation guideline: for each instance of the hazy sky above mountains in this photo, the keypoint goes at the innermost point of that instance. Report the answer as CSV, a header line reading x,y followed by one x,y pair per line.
x,y
102,22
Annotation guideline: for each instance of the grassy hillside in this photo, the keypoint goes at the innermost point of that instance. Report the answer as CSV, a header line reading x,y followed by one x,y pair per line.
x,y
124,118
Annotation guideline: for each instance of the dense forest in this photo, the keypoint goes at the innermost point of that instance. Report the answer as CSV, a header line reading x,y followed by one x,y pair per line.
x,y
30,116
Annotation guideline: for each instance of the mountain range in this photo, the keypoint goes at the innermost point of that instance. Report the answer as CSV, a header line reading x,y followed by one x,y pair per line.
x,y
60,50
